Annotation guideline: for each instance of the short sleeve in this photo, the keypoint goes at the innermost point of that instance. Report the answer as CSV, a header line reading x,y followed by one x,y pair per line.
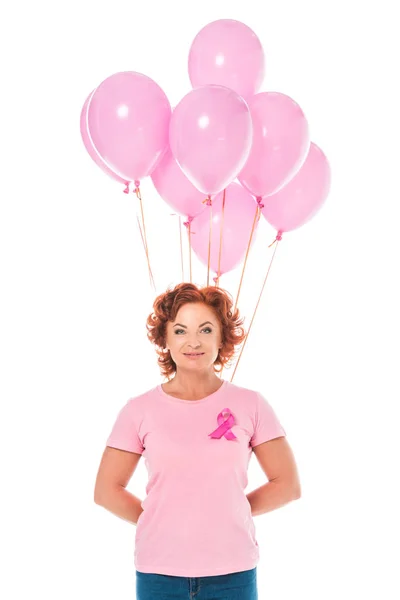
x,y
267,425
124,434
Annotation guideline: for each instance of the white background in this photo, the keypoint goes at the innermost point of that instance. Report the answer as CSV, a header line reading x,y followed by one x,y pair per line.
x,y
75,294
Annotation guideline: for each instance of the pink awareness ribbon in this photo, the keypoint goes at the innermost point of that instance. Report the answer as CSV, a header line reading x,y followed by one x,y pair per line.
x,y
224,426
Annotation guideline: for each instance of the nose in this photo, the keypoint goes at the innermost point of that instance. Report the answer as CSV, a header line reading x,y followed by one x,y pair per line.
x,y
195,345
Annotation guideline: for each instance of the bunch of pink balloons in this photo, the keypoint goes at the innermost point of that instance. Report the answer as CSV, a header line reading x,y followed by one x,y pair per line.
x,y
223,130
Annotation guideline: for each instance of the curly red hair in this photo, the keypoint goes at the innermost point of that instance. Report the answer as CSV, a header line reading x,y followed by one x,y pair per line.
x,y
166,306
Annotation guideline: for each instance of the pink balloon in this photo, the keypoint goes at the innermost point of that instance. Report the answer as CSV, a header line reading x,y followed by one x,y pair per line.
x,y
175,188
281,141
128,121
227,52
210,136
240,209
91,149
303,196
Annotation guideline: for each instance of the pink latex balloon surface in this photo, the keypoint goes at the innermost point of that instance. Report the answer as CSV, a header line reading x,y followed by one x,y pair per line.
x,y
128,121
91,149
210,136
227,52
303,196
281,141
175,188
239,211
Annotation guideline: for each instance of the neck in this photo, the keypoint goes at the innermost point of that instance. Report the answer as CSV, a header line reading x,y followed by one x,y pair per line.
x,y
194,383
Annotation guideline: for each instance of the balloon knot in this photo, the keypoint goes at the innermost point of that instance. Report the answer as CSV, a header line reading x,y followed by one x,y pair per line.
x,y
126,190
277,239
187,223
259,202
137,188
207,200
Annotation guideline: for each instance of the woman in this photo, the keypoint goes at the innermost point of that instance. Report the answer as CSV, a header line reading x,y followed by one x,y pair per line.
x,y
195,535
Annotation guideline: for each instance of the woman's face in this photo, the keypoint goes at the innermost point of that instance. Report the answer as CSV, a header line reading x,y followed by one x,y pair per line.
x,y
196,329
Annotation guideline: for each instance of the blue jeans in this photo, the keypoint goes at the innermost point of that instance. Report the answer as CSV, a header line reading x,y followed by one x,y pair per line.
x,y
233,586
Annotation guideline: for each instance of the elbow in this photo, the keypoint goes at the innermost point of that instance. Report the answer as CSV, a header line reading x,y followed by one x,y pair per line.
x,y
297,493
98,496
104,493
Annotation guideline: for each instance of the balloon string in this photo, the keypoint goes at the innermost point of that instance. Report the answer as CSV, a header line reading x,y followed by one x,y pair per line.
x,y
257,216
278,238
187,224
180,241
216,279
143,234
208,201
189,232
256,219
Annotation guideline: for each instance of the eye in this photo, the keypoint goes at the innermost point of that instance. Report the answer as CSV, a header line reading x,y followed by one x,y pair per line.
x,y
204,329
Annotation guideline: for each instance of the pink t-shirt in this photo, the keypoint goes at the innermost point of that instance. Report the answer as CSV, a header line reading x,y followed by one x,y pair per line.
x,y
196,519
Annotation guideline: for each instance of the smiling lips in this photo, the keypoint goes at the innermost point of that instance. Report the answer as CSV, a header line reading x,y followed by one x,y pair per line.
x,y
194,354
